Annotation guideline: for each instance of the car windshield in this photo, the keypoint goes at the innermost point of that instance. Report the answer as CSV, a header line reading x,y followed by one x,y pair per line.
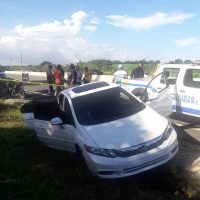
x,y
105,106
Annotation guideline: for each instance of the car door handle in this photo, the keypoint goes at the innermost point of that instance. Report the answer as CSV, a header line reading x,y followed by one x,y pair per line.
x,y
183,91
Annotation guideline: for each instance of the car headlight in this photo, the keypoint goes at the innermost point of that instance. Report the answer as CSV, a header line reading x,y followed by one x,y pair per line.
x,y
167,132
100,152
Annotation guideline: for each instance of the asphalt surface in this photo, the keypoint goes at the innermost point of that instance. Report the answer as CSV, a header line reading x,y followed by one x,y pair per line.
x,y
187,124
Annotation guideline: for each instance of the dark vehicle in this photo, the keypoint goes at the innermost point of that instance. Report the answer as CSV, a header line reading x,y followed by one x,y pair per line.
x,y
2,74
25,76
10,88
96,72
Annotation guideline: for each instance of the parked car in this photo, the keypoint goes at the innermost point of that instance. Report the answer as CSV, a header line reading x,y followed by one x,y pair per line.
x,y
2,74
25,76
117,134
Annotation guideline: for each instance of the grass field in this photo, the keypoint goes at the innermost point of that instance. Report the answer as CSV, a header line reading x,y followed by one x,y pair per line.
x,y
30,170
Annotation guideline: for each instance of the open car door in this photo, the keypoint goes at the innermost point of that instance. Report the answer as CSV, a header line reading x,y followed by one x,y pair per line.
x,y
53,126
158,96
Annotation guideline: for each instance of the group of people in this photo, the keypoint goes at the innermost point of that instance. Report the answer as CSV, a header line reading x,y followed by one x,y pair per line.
x,y
75,77
138,72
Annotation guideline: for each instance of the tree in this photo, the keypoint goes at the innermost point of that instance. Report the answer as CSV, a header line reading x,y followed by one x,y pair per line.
x,y
178,61
187,62
45,63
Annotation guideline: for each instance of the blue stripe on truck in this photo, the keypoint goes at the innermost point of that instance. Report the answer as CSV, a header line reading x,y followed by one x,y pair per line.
x,y
186,110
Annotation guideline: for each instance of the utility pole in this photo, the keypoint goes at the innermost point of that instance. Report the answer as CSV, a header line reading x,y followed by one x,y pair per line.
x,y
11,62
21,60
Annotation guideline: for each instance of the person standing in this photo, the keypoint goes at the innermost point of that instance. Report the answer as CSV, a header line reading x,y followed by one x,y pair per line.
x,y
87,75
72,79
138,72
79,75
58,79
63,76
50,79
119,74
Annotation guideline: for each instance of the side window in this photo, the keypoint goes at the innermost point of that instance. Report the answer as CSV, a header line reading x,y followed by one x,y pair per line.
x,y
68,113
61,101
192,78
169,76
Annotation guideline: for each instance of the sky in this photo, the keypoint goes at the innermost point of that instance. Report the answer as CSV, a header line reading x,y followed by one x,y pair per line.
x,y
67,31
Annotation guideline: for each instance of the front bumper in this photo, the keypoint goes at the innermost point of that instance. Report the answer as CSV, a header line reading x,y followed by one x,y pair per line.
x,y
118,167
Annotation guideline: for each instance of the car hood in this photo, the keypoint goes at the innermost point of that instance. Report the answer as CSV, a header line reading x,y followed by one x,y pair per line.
x,y
129,131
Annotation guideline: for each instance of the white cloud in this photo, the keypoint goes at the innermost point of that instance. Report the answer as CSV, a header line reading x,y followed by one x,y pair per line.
x,y
157,19
58,42
188,41
92,24
94,21
90,28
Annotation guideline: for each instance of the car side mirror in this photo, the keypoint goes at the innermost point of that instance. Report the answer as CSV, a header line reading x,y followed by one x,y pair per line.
x,y
56,121
153,96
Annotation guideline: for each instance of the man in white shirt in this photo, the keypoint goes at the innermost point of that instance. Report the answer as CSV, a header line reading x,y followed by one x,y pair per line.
x,y
119,74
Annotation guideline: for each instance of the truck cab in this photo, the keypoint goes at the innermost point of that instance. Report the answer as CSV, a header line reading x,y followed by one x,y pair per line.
x,y
184,83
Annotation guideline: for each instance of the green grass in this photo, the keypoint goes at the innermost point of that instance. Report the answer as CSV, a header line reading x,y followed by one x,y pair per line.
x,y
30,170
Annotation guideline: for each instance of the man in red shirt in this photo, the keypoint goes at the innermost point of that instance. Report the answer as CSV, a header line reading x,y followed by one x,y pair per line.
x,y
58,79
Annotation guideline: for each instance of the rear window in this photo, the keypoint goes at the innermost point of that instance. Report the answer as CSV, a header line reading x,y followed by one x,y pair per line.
x,y
192,78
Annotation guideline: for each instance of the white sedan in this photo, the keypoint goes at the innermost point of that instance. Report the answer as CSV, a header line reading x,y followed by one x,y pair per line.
x,y
117,134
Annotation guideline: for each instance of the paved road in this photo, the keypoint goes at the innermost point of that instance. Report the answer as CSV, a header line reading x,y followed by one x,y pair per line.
x,y
35,88
188,125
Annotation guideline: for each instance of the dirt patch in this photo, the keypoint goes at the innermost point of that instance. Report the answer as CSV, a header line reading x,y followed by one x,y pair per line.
x,y
188,156
13,101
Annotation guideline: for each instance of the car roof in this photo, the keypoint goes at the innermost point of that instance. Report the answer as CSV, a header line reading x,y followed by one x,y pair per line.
x,y
179,66
88,89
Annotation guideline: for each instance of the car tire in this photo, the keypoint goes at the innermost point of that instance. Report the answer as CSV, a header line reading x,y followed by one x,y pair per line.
x,y
80,155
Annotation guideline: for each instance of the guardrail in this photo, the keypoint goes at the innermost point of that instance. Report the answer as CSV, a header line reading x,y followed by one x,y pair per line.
x,y
107,78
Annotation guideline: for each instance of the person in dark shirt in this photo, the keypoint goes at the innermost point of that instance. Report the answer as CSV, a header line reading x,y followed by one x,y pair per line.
x,y
79,75
72,77
138,72
50,78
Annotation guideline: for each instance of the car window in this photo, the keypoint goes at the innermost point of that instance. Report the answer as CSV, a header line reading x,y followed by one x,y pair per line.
x,y
170,75
61,101
68,113
104,106
192,78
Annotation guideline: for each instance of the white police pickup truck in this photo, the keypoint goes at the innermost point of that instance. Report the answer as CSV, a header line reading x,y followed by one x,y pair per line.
x,y
184,84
